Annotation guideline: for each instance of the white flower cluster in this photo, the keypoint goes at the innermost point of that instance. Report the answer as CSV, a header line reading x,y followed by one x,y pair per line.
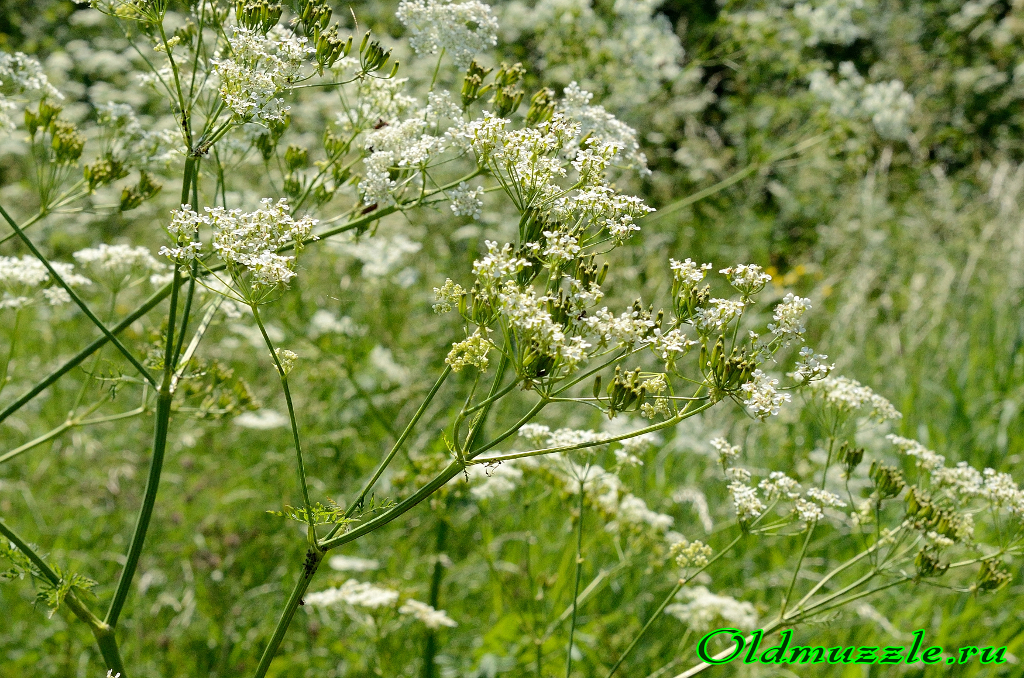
x,y
374,100
706,610
747,278
761,396
830,21
21,74
471,351
811,366
246,241
745,500
466,201
431,618
462,29
726,452
963,482
788,316
602,126
256,68
886,105
847,395
115,265
626,49
688,273
23,280
355,593
690,553
778,485
720,312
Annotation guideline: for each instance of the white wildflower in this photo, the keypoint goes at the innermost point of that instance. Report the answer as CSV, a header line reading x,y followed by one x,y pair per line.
x,y
251,240
445,296
848,394
726,452
779,485
286,359
466,201
824,498
688,553
602,126
352,564
115,265
471,351
705,610
355,593
747,278
688,273
761,396
811,366
719,314
808,511
745,501
431,618
462,29
926,459
788,317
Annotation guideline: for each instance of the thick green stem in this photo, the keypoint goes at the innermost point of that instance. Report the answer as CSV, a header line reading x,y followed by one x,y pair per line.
x,y
160,430
313,559
430,644
163,415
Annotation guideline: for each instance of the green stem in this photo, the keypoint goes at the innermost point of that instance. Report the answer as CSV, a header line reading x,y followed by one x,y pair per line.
x,y
163,415
295,427
313,559
397,446
430,645
160,430
101,631
576,586
664,603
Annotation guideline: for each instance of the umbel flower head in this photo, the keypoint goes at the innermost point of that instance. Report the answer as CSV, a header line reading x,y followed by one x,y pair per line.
x,y
248,242
462,29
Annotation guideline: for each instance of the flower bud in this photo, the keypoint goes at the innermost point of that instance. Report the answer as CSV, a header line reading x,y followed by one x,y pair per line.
x,y
992,575
473,84
928,563
67,142
542,107
296,158
103,172
258,15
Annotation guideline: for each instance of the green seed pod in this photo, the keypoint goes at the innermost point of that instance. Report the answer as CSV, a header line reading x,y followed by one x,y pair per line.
x,y
296,158
103,172
542,107
258,15
993,575
928,563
